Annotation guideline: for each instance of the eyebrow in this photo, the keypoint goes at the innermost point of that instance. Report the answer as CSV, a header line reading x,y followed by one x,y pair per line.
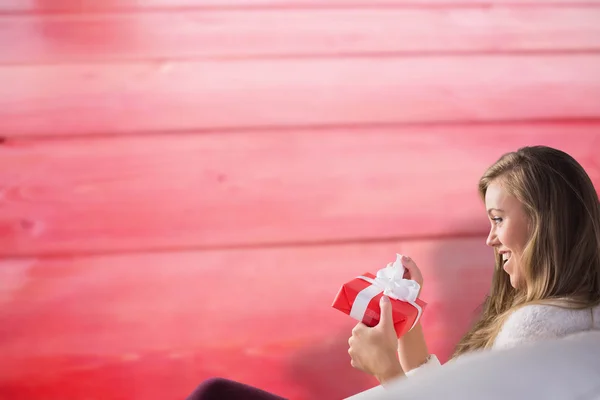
x,y
494,209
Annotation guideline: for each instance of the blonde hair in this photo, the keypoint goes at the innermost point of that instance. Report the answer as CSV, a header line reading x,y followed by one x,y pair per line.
x,y
561,260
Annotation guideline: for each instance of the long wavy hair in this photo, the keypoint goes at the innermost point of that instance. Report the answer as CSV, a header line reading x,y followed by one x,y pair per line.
x,y
561,260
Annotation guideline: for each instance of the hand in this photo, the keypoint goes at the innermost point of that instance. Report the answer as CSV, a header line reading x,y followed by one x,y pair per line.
x,y
412,271
373,350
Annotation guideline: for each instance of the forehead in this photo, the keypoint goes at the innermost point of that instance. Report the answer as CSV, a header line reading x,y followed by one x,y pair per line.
x,y
497,197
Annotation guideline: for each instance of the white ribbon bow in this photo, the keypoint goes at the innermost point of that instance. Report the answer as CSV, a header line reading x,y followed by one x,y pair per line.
x,y
389,280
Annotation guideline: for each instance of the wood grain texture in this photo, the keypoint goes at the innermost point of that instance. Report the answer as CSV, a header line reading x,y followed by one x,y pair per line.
x,y
78,6
258,188
152,326
286,33
189,139
119,98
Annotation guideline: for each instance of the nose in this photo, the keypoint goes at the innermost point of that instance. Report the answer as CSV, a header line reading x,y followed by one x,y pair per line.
x,y
492,239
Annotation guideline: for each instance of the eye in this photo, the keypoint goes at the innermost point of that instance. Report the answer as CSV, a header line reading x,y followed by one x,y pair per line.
x,y
497,220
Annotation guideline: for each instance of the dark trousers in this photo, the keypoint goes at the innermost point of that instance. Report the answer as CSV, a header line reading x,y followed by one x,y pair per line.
x,y
224,389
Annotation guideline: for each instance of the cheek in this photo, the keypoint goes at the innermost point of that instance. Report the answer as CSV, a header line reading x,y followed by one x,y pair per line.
x,y
519,235
512,239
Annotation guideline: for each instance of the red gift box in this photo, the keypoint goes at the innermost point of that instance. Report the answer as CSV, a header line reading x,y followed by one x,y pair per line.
x,y
405,314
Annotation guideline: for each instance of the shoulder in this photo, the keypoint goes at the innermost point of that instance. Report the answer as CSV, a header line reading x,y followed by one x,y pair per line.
x,y
536,322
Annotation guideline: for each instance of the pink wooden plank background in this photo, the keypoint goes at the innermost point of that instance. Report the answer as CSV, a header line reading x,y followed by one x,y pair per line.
x,y
185,184
308,33
152,318
77,6
258,188
157,96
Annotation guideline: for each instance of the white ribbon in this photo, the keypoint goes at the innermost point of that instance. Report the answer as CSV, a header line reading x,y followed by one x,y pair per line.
x,y
389,280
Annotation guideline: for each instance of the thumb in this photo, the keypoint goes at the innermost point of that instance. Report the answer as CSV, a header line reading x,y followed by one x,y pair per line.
x,y
386,318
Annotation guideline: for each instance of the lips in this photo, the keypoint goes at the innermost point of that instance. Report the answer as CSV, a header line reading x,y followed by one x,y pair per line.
x,y
505,256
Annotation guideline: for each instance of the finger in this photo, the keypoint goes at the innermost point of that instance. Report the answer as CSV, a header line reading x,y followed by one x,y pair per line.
x,y
350,341
414,271
358,329
353,362
386,319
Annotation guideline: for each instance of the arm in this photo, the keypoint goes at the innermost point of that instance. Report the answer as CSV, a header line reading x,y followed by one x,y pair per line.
x,y
413,352
412,349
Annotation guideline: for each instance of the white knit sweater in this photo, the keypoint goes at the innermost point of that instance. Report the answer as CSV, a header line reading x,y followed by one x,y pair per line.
x,y
528,324
534,323
542,322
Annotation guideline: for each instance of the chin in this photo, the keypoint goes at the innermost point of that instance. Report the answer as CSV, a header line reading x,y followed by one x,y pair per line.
x,y
514,281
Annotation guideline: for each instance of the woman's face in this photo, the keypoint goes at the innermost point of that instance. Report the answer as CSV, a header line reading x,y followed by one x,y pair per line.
x,y
509,232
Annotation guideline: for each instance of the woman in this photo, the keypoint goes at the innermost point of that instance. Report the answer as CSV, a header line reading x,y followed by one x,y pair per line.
x,y
545,230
